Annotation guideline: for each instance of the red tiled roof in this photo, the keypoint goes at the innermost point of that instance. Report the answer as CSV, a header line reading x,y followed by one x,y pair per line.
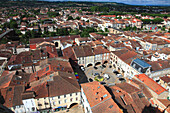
x,y
32,46
165,102
165,79
6,79
100,50
69,53
62,83
159,65
151,83
108,15
12,95
40,73
99,98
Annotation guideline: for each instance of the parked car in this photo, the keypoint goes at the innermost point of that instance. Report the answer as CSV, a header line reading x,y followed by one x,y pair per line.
x,y
104,66
122,80
82,68
106,76
96,74
95,67
102,83
90,80
119,75
116,72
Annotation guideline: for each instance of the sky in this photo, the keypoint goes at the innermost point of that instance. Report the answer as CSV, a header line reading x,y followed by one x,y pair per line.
x,y
132,2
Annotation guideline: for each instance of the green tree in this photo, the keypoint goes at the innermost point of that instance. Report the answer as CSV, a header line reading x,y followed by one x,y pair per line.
x,y
78,18
53,14
157,20
87,21
99,8
106,29
163,28
146,21
70,18
84,34
72,11
118,17
13,24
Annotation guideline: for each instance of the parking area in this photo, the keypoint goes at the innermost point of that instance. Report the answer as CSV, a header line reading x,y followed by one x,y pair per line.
x,y
105,71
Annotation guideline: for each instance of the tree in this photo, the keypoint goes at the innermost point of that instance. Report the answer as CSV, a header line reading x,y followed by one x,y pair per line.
x,y
146,21
78,18
53,14
84,34
72,11
99,8
163,28
134,28
118,17
157,20
13,24
106,29
70,18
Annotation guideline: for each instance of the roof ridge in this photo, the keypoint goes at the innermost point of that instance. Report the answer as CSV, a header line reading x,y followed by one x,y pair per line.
x,y
67,81
101,102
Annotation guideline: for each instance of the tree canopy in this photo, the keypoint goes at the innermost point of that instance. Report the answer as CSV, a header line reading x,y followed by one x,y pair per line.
x,y
99,8
53,14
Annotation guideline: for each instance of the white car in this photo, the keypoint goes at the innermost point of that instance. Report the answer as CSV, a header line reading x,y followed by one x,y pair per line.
x,y
106,76
119,75
82,68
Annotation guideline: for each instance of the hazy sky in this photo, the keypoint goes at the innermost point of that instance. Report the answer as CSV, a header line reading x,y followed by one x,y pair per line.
x,y
134,2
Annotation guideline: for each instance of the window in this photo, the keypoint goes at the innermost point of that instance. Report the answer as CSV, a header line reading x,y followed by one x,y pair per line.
x,y
64,96
32,103
87,109
56,44
47,68
134,65
70,94
59,102
10,89
54,103
71,99
58,97
76,93
52,98
76,98
139,69
65,100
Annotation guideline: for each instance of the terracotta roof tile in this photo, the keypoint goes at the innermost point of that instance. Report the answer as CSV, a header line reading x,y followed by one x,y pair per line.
x,y
165,102
100,50
5,80
151,83
165,79
98,96
159,65
61,83
12,95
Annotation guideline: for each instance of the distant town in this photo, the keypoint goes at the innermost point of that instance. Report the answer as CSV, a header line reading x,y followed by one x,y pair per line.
x,y
84,57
